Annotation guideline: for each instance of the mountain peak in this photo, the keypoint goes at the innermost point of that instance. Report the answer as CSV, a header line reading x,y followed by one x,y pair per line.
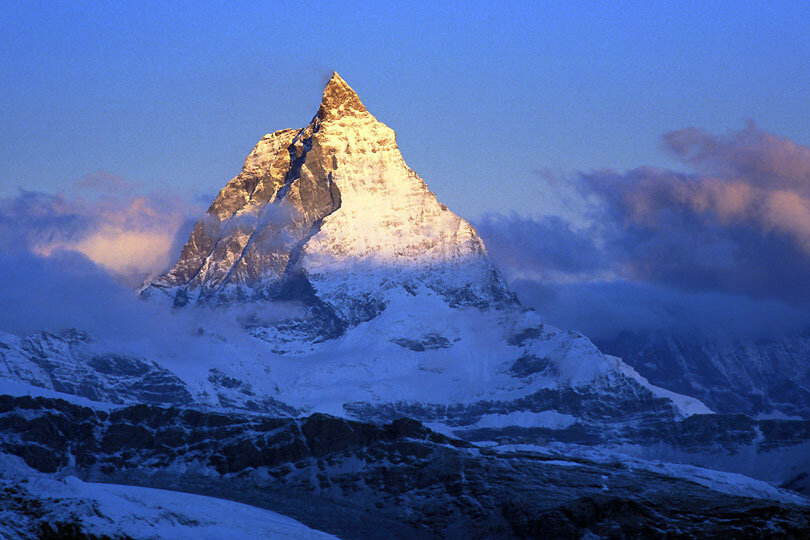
x,y
331,216
339,100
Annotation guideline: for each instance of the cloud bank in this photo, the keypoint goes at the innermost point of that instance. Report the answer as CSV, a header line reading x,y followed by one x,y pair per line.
x,y
129,235
74,261
728,238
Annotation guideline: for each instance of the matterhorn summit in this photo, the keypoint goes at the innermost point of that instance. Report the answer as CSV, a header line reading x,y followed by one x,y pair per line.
x,y
332,216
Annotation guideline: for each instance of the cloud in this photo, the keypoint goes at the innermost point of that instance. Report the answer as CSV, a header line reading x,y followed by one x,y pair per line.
x,y
64,290
740,223
67,290
131,236
750,153
544,249
603,309
102,182
74,261
723,245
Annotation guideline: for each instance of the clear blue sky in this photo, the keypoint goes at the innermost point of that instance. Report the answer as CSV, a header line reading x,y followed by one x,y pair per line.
x,y
482,95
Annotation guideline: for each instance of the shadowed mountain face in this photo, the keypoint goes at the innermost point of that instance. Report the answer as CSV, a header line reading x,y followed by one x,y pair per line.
x,y
331,215
759,377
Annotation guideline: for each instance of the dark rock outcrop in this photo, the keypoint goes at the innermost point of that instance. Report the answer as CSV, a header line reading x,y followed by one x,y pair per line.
x,y
399,480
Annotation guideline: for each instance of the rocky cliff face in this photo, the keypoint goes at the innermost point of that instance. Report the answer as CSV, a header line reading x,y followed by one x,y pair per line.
x,y
332,216
398,480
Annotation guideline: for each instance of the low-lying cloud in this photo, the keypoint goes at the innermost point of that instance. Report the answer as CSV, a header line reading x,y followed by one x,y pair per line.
x,y
545,249
131,236
731,235
722,245
75,262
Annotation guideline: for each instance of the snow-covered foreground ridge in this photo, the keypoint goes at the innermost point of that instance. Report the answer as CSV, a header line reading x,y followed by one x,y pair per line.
x,y
67,504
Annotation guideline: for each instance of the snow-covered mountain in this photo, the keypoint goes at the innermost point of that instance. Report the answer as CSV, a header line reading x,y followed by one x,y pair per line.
x,y
325,295
397,301
400,300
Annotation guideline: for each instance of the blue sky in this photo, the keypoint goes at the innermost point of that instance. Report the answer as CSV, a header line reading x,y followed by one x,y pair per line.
x,y
628,164
173,95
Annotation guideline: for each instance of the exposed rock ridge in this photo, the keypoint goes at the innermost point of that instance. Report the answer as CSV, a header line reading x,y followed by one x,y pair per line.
x,y
758,377
339,100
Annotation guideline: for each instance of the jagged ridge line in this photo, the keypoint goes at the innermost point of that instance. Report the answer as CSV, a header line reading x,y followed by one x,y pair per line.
x,y
211,251
294,173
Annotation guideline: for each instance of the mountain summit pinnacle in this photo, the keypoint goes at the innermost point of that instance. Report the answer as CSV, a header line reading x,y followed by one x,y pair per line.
x,y
331,216
339,100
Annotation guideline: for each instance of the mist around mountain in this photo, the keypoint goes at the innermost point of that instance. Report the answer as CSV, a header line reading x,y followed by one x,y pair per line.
x,y
334,344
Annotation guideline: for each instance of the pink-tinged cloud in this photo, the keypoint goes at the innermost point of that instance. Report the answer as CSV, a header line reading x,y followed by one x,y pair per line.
x,y
736,222
788,211
749,178
750,153
105,183
722,249
132,237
